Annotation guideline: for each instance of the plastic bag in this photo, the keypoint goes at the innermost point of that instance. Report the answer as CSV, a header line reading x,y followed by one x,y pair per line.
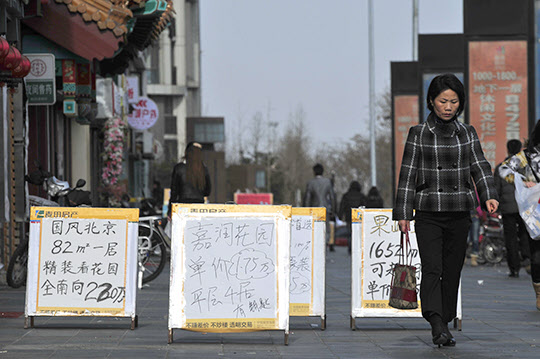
x,y
529,208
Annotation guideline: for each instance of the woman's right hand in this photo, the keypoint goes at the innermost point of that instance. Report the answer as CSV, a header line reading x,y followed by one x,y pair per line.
x,y
529,184
404,225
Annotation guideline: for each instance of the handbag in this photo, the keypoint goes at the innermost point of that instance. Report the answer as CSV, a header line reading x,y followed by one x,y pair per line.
x,y
529,209
403,286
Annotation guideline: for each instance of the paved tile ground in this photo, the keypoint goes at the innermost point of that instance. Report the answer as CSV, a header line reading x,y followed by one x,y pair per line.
x,y
499,321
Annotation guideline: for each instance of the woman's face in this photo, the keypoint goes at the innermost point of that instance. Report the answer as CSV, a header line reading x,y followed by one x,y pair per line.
x,y
446,104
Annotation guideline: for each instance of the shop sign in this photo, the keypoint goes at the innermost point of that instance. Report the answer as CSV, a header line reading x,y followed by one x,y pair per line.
x,y
40,82
144,114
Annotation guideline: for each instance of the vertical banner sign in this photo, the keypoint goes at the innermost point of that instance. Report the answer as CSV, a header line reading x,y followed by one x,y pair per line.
x,y
132,89
405,116
230,268
82,262
308,245
498,98
375,249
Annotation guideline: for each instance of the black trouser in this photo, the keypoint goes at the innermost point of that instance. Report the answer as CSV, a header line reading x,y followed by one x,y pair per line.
x,y
442,243
516,239
535,259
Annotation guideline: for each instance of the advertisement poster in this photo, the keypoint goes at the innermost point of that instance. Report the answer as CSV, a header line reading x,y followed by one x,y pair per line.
x,y
405,116
498,107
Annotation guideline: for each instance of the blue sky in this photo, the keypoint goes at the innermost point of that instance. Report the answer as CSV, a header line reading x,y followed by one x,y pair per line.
x,y
273,55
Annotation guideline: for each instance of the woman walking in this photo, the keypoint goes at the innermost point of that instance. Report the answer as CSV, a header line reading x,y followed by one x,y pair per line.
x,y
527,165
190,181
441,158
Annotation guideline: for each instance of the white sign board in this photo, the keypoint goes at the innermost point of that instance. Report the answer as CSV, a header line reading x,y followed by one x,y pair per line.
x,y
230,268
144,115
82,262
40,82
308,245
375,249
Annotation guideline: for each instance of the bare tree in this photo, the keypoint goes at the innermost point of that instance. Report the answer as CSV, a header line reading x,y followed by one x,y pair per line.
x,y
257,132
293,159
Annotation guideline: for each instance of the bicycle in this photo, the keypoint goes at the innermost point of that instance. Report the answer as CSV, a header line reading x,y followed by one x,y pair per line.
x,y
153,247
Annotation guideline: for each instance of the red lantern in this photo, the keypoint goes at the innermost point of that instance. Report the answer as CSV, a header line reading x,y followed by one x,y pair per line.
x,y
4,47
23,69
12,59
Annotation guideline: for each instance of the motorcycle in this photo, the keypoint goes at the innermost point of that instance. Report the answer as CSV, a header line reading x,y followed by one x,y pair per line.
x,y
61,195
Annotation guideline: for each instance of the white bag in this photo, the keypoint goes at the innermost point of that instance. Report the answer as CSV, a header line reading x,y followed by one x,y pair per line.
x,y
529,208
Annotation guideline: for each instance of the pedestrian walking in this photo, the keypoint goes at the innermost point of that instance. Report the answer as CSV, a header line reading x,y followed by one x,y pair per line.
x,y
526,164
353,198
516,237
320,193
374,198
190,181
441,157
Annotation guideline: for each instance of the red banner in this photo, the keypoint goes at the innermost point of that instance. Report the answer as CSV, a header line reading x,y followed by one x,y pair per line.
x,y
405,116
498,106
253,198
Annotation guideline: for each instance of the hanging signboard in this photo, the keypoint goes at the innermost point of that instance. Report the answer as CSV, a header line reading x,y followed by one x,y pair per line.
x,y
132,89
375,249
144,115
498,96
308,263
40,82
230,268
82,262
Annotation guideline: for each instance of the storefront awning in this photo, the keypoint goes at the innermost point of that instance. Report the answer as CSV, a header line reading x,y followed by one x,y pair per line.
x,y
70,31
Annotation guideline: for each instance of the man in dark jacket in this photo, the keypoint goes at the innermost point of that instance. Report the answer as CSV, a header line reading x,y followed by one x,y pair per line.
x,y
513,225
320,193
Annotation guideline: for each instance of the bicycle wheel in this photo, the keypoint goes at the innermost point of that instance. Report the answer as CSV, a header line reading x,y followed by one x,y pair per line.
x,y
152,253
18,266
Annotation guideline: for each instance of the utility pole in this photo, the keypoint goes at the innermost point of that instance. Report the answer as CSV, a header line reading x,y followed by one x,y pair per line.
x,y
415,31
372,94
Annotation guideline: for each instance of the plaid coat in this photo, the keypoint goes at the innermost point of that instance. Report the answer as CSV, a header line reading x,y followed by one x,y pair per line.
x,y
438,165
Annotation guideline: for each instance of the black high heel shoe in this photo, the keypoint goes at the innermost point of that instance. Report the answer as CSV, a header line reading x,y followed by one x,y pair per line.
x,y
451,341
439,335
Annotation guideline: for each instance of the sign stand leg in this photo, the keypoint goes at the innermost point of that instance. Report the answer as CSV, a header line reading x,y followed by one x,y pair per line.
x,y
139,277
286,337
26,322
323,322
458,324
134,322
353,323
170,339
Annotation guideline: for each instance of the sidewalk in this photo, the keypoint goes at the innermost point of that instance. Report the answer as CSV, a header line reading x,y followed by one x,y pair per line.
x,y
500,320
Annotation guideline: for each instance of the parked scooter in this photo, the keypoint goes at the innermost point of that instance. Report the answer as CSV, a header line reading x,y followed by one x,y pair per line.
x,y
61,195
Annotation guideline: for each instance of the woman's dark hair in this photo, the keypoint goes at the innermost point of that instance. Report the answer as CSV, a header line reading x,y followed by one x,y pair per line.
x,y
355,186
513,147
442,83
194,166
